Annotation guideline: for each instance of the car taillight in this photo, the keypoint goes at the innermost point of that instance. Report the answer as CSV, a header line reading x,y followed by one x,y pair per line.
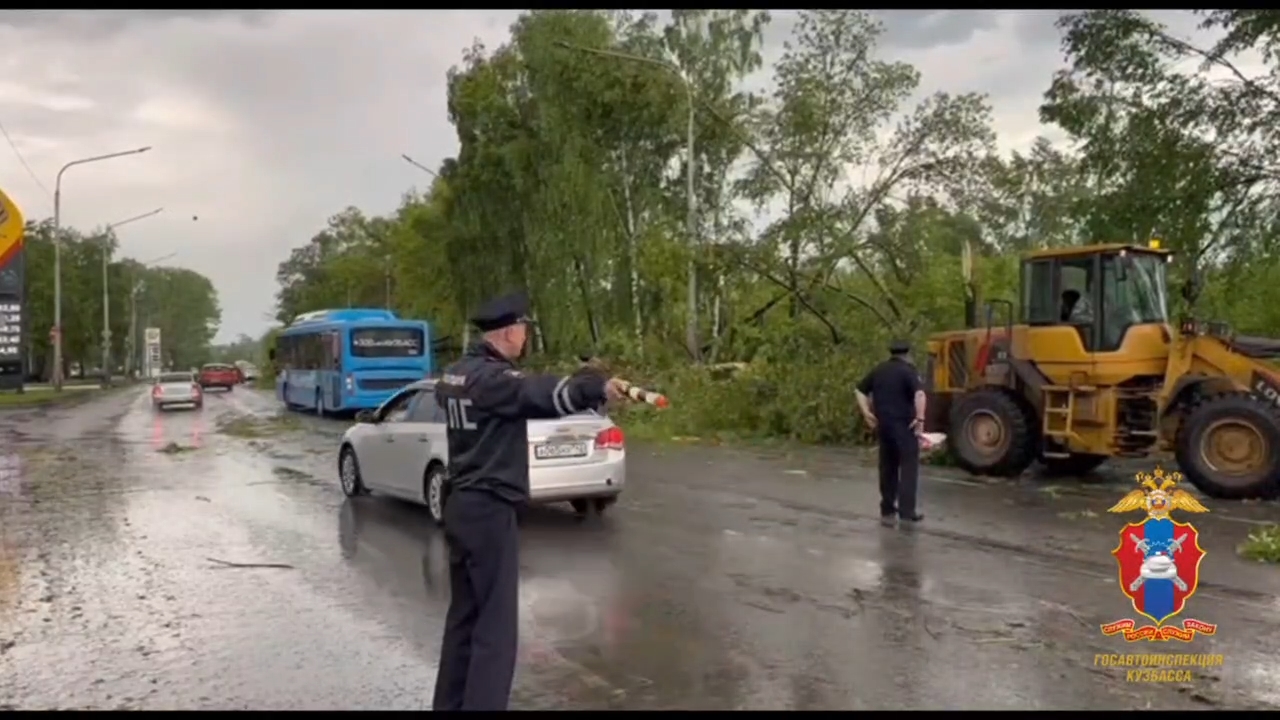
x,y
610,439
195,388
157,390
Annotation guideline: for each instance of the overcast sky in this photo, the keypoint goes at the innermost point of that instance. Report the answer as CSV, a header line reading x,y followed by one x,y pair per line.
x,y
266,123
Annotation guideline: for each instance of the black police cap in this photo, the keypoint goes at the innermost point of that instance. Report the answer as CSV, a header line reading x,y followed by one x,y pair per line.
x,y
502,312
899,347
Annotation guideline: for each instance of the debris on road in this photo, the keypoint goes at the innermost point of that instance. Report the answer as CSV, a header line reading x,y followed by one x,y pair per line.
x,y
229,564
255,426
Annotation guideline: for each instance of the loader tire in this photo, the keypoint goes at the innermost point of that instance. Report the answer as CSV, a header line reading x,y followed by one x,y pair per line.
x,y
1229,447
1076,464
992,434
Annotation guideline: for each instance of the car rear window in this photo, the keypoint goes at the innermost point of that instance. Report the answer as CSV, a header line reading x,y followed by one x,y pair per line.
x,y
176,378
217,367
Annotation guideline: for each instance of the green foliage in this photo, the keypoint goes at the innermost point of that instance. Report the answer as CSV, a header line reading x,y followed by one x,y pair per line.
x,y
828,214
182,303
1262,545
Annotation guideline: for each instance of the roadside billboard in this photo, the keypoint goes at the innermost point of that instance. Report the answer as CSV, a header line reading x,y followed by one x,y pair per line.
x,y
13,319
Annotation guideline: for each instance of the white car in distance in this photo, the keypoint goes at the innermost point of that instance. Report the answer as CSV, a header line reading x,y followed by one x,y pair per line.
x,y
176,388
401,450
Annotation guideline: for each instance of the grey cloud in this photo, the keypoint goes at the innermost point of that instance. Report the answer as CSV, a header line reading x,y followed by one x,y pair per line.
x,y
903,29
103,23
931,28
312,111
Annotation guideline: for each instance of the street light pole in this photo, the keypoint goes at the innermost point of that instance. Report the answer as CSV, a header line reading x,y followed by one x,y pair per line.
x,y
106,291
691,198
57,255
420,166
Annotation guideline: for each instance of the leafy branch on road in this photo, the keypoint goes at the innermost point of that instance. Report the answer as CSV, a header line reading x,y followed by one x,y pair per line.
x,y
1262,545
248,426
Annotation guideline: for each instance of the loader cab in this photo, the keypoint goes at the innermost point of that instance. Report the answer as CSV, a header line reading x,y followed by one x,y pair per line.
x,y
1099,292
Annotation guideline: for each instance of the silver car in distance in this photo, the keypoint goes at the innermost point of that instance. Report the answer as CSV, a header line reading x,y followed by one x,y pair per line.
x,y
400,450
176,388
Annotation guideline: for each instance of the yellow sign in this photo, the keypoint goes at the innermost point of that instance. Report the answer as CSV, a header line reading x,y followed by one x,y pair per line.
x,y
11,225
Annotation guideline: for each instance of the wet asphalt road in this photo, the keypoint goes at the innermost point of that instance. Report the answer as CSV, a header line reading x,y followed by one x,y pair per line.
x,y
723,580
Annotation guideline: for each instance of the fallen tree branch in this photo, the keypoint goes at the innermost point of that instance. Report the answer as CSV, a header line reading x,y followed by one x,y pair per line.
x,y
229,564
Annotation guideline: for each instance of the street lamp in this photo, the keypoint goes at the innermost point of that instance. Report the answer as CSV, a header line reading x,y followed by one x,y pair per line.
x,y
106,291
57,256
420,166
691,198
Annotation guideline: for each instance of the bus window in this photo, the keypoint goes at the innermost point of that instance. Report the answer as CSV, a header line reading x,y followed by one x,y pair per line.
x,y
386,342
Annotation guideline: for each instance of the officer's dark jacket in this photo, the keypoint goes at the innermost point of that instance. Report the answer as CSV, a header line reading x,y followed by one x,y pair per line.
x,y
487,402
892,385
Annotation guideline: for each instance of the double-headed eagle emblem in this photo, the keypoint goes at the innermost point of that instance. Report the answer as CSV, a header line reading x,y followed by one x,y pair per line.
x,y
1158,497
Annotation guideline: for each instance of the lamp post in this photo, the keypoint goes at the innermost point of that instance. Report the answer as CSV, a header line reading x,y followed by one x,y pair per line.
x,y
57,255
691,198
106,291
420,166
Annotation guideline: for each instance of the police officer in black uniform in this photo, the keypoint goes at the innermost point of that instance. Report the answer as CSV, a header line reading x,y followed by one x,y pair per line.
x,y
487,402
892,400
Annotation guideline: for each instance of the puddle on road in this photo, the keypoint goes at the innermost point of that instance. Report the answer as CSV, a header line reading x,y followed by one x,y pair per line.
x,y
252,426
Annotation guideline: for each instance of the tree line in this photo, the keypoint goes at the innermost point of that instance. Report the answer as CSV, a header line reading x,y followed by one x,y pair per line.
x,y
181,302
774,255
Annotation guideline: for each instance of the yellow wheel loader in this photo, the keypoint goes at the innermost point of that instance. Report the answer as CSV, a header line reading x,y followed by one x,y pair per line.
x,y
1087,366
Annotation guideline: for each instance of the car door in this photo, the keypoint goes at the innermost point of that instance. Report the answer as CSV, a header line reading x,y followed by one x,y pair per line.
x,y
377,448
410,447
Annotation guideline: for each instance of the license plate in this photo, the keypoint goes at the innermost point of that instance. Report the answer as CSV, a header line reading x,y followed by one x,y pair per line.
x,y
554,451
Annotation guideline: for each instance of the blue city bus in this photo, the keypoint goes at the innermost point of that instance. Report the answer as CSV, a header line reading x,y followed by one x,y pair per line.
x,y
341,361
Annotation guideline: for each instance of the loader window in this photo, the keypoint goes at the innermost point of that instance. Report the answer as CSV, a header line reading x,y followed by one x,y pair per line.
x,y
1039,303
1136,295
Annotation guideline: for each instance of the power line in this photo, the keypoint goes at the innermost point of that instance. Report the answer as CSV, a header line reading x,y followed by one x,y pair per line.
x,y
18,154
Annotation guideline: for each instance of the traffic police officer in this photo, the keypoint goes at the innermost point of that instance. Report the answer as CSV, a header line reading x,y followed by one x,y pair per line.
x,y
487,402
892,400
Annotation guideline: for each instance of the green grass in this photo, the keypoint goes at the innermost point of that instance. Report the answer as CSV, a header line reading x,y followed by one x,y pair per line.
x,y
36,397
1262,545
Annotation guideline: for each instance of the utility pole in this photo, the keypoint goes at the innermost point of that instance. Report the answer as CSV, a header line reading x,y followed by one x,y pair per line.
x,y
131,343
386,279
106,291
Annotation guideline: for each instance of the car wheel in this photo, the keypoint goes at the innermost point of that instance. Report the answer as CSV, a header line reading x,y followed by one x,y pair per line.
x,y
602,504
580,507
200,405
433,492
349,473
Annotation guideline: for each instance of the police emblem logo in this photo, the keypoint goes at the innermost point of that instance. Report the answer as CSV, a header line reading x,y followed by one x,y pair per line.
x,y
1159,561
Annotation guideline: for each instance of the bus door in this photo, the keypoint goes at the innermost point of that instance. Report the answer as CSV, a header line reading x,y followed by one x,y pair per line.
x,y
333,354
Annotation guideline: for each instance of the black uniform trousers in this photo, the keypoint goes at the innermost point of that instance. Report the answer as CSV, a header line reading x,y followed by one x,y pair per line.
x,y
478,653
899,469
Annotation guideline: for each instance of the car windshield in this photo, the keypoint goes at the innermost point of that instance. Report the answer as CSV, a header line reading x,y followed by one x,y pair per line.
x,y
168,378
386,342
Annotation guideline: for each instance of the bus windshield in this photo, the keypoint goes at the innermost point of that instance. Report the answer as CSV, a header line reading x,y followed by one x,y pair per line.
x,y
386,342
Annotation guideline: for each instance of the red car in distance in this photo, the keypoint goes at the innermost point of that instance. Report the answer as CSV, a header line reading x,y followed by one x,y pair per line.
x,y
220,375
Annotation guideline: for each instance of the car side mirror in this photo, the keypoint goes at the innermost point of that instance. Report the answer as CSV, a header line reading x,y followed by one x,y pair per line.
x,y
366,416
